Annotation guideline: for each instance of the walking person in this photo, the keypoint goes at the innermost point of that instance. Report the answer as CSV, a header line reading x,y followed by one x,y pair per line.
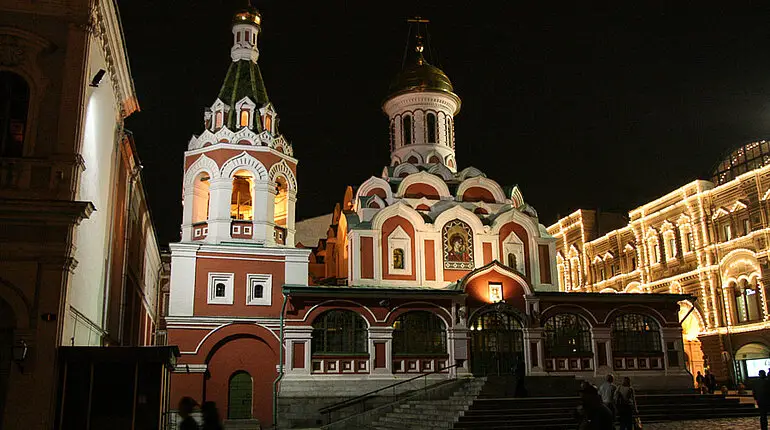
x,y
761,392
210,417
711,381
593,414
186,406
625,400
607,393
700,382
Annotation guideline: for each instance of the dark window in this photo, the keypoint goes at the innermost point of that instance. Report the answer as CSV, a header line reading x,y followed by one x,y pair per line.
x,y
690,241
339,332
392,135
601,273
567,335
219,290
14,105
419,332
602,353
512,260
634,334
673,355
746,229
431,120
407,130
258,291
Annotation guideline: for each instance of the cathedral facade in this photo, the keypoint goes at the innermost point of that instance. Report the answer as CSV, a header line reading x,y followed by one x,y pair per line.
x,y
426,267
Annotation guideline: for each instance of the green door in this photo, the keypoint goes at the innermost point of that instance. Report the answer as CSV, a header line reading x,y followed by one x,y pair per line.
x,y
239,400
497,343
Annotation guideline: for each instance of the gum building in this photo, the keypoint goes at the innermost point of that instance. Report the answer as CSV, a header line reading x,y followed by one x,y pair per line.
x,y
707,239
425,267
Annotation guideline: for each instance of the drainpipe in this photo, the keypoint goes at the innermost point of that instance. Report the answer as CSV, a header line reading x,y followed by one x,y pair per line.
x,y
280,366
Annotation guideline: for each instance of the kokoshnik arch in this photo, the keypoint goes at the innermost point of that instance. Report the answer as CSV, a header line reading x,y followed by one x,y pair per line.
x,y
423,267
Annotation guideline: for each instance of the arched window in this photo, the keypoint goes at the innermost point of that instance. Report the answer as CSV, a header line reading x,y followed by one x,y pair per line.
x,y
419,332
280,211
201,198
398,258
450,133
219,120
392,135
413,160
634,334
244,118
241,206
567,335
14,106
406,125
268,122
431,120
239,396
434,159
339,332
746,303
512,260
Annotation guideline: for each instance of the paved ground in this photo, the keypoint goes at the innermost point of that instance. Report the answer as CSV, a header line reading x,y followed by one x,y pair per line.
x,y
720,424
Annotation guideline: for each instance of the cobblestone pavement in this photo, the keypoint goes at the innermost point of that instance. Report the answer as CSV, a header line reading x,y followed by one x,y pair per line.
x,y
751,423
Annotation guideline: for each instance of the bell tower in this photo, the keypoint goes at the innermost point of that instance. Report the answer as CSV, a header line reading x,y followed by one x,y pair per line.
x,y
240,175
421,106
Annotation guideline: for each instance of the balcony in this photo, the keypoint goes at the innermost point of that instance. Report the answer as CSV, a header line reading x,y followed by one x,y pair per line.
x,y
241,229
36,177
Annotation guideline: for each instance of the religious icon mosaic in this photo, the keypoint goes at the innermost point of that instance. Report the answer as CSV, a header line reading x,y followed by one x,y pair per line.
x,y
458,246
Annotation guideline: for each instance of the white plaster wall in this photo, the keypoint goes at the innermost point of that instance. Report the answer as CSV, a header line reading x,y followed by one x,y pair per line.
x,y
99,146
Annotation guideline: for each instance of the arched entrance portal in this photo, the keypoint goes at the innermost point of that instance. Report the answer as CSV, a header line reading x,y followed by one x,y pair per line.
x,y
7,323
750,359
497,342
692,326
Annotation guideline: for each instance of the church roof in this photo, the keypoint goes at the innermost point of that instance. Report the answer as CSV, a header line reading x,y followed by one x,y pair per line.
x,y
243,79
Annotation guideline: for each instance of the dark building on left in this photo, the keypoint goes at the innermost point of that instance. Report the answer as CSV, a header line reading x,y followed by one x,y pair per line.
x,y
79,259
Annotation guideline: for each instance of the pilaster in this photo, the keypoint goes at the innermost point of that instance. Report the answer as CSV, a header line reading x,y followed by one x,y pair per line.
x,y
381,336
221,190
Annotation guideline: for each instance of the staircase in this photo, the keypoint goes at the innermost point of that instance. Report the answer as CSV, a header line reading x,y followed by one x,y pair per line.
x,y
491,410
241,425
431,414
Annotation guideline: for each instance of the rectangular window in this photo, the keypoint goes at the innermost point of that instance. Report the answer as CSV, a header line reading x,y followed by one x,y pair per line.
x,y
690,241
259,289
220,289
746,229
673,355
601,353
601,273
533,354
545,263
727,232
495,292
671,247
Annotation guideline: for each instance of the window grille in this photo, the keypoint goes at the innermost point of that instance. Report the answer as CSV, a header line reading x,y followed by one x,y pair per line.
x,y
633,334
339,332
567,335
419,332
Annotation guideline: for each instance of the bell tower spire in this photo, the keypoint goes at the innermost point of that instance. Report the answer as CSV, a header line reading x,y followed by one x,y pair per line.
x,y
246,27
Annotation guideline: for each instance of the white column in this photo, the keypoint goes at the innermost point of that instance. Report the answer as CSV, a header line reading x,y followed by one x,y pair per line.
x,y
221,190
290,207
187,214
264,208
293,336
602,336
534,335
459,345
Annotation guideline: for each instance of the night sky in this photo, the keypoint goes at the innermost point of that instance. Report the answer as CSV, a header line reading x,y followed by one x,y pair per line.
x,y
582,107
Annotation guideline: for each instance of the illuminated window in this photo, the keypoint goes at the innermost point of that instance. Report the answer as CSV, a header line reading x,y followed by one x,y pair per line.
x,y
219,120
727,232
431,125
244,118
201,198
601,274
407,129
281,205
14,105
269,122
746,303
746,229
241,206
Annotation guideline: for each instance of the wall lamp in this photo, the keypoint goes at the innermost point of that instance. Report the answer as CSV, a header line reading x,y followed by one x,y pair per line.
x,y
97,78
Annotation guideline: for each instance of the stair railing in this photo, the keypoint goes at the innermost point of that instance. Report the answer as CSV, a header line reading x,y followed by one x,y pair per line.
x,y
361,400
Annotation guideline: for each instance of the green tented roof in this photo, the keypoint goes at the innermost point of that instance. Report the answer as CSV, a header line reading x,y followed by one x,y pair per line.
x,y
243,79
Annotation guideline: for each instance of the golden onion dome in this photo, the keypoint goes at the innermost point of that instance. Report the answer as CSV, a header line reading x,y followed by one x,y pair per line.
x,y
247,15
420,76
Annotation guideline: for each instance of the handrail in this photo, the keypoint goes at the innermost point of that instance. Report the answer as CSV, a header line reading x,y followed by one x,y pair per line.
x,y
344,403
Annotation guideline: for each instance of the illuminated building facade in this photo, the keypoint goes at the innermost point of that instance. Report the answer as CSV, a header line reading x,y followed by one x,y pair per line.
x,y
705,239
424,267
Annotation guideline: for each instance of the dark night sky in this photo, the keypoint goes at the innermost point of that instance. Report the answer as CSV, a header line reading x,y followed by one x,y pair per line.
x,y
583,107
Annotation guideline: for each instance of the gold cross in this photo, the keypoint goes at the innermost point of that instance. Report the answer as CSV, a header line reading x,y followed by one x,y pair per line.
x,y
418,19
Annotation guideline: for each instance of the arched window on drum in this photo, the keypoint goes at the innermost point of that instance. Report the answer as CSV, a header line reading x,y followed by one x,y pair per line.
x,y
567,343
14,107
636,343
